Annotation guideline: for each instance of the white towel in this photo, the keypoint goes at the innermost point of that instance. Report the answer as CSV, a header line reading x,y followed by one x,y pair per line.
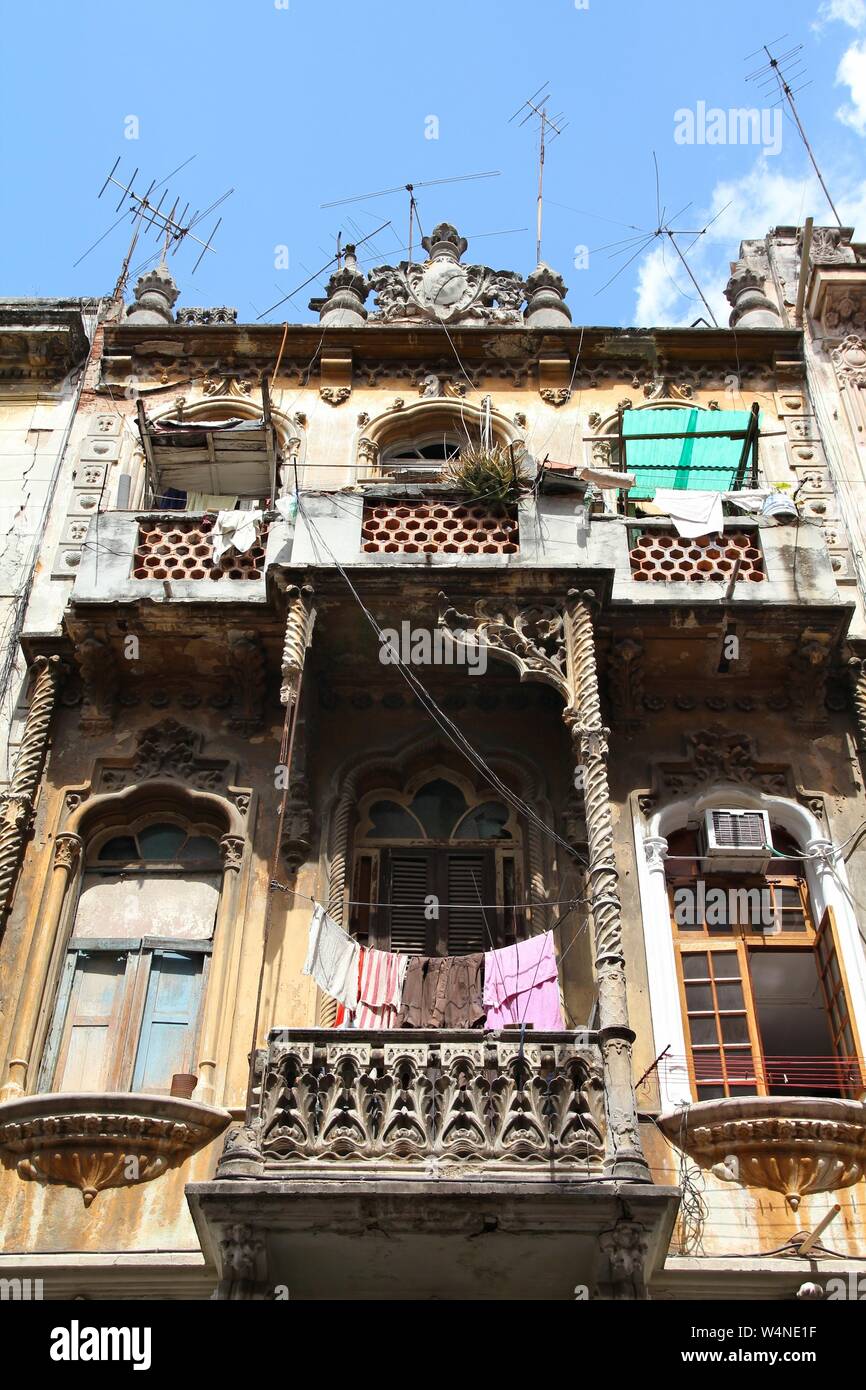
x,y
692,513
238,529
332,959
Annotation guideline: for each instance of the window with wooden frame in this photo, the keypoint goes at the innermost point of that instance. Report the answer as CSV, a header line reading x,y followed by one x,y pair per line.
x,y
128,1002
437,870
762,989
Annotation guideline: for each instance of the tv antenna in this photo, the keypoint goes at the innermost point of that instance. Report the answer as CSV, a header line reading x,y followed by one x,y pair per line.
x,y
170,225
536,105
663,229
410,189
779,73
340,253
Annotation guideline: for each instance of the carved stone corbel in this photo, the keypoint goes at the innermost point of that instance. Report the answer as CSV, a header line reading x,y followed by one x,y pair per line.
x,y
243,1263
100,679
297,831
625,1251
857,675
247,663
625,675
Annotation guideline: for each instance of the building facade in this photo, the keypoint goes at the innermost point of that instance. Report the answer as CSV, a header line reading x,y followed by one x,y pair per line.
x,y
365,617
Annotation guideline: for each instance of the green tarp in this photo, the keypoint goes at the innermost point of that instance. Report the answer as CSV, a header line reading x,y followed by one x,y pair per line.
x,y
697,464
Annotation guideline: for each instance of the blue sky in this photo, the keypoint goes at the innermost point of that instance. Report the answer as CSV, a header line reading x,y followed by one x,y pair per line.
x,y
297,102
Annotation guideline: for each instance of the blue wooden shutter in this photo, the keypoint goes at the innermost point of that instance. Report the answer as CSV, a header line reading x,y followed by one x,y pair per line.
x,y
168,1025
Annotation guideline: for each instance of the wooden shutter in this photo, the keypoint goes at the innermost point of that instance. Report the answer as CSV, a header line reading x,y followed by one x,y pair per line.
x,y
168,1025
93,1021
467,886
842,1027
409,883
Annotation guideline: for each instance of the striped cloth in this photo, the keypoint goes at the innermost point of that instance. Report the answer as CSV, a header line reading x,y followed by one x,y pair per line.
x,y
380,991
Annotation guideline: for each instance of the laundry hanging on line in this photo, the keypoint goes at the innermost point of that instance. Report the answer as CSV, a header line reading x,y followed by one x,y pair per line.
x,y
238,530
521,985
510,986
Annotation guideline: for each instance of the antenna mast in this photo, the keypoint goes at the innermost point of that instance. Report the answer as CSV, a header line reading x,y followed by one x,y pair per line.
x,y
776,72
537,105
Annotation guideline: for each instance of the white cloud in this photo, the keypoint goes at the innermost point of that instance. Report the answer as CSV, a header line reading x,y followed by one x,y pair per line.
x,y
850,12
851,73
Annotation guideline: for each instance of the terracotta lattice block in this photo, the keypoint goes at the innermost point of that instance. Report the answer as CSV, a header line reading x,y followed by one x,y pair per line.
x,y
662,556
438,528
182,548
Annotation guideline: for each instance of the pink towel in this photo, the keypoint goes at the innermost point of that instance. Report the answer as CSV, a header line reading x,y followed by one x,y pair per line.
x,y
521,985
380,991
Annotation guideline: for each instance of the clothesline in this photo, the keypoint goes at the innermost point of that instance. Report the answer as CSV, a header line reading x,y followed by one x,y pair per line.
x,y
516,985
503,907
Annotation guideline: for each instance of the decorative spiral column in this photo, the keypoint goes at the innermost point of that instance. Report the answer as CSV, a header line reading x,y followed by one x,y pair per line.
x,y
67,851
625,1157
300,618
857,675
17,802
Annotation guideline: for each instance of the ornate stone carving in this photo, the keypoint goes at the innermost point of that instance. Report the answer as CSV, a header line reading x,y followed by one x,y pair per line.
x,y
455,1099
335,395
717,754
857,673
100,680
95,1141
530,639
167,750
67,850
750,305
794,1145
297,829
155,295
590,738
243,1262
367,455
624,1248
232,851
300,619
810,667
197,317
625,675
16,803
555,395
441,289
248,665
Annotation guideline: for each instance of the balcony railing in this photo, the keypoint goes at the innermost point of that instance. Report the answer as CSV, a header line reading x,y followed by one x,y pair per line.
x,y
431,527
177,547
659,554
423,1103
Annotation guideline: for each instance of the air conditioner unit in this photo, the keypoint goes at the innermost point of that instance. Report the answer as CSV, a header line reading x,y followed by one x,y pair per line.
x,y
736,841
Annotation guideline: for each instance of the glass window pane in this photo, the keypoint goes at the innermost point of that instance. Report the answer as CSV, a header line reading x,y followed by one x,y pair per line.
x,y
698,997
200,849
161,841
393,822
487,822
726,965
695,966
711,1092
703,1030
735,1028
121,849
730,996
708,1063
438,805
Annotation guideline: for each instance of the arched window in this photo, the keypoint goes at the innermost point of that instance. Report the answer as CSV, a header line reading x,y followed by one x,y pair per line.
x,y
127,1009
437,869
762,986
421,454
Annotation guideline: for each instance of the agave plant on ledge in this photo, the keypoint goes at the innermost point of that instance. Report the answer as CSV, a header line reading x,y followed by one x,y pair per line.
x,y
494,473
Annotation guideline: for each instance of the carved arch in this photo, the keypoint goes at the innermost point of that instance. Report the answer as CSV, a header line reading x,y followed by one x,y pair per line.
x,y
423,417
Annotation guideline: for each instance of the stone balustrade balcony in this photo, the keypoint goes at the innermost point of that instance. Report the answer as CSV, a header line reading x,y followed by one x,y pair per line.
x,y
412,1102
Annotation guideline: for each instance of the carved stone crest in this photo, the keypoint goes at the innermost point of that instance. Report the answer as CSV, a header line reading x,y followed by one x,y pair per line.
x,y
442,289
